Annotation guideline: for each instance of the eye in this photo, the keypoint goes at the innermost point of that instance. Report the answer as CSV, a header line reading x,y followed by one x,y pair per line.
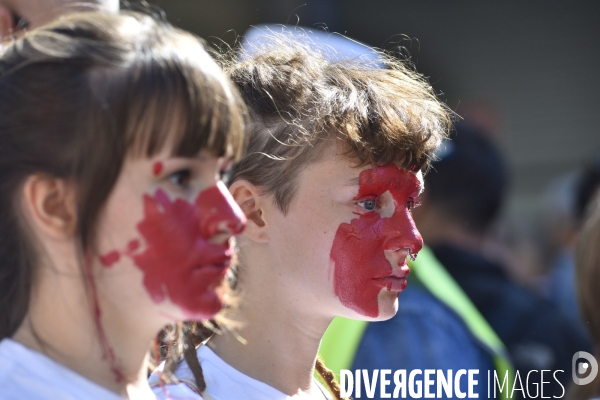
x,y
225,170
224,175
20,22
181,178
368,205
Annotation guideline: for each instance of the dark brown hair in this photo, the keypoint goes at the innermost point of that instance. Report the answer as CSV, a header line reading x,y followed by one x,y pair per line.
x,y
79,96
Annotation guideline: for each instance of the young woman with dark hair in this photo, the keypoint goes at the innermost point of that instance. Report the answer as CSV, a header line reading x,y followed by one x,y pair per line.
x,y
113,219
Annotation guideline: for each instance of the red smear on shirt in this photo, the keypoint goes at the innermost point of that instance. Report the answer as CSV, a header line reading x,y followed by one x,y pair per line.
x,y
108,352
179,262
110,258
358,246
157,168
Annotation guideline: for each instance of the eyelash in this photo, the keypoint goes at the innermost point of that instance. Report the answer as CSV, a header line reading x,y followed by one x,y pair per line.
x,y
361,203
20,22
224,175
410,204
181,178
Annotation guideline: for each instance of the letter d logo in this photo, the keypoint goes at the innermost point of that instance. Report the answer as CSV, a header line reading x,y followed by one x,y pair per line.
x,y
583,367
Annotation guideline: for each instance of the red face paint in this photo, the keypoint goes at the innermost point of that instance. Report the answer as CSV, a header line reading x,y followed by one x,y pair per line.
x,y
157,168
178,261
108,353
132,246
110,258
361,268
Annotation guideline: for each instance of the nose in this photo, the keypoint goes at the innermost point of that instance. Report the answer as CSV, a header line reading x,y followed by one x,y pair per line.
x,y
402,233
219,213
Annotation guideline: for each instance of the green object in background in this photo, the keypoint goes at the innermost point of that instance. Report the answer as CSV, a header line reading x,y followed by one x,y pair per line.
x,y
342,338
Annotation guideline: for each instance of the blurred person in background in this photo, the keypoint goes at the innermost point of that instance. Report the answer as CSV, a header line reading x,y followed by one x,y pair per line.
x,y
587,269
17,16
113,222
465,192
560,280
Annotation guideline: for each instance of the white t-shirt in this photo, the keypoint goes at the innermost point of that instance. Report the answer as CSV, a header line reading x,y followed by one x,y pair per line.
x,y
223,382
27,374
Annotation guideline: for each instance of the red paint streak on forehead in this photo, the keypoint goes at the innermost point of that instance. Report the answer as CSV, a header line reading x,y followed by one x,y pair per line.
x,y
157,168
358,247
376,181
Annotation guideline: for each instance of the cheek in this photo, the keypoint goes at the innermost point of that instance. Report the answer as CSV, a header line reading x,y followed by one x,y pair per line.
x,y
117,227
358,257
177,260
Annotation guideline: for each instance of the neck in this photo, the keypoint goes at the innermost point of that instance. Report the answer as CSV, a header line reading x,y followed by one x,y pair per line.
x,y
281,334
109,350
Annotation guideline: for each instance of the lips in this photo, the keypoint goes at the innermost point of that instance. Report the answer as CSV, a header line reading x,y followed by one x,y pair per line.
x,y
211,271
394,281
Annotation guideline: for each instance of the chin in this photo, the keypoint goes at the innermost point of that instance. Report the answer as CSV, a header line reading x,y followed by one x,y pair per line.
x,y
203,312
388,305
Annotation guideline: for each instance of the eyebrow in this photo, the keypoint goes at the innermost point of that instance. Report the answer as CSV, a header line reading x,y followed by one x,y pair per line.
x,y
353,181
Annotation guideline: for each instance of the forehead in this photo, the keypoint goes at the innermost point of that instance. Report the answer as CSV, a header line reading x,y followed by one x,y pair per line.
x,y
39,12
335,168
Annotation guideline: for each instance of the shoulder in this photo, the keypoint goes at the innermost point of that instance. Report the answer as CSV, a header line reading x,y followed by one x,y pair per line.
x,y
27,374
222,381
177,391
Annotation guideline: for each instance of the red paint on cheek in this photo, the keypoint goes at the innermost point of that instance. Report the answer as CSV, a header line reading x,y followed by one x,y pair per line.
x,y
157,168
178,261
358,247
110,258
133,246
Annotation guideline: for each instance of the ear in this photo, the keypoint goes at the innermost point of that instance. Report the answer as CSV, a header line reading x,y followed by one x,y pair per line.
x,y
50,204
251,202
7,22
